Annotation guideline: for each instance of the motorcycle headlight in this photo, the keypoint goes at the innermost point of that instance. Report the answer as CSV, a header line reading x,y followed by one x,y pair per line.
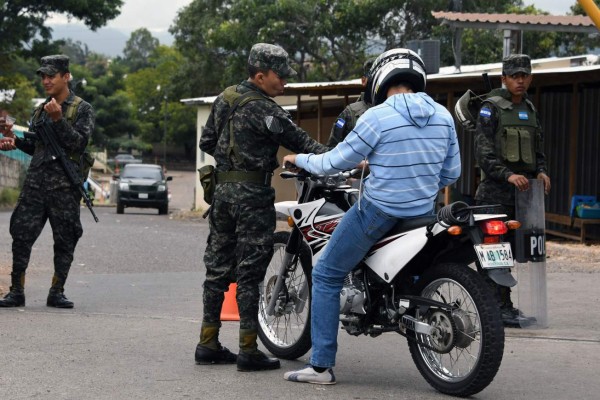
x,y
162,188
123,186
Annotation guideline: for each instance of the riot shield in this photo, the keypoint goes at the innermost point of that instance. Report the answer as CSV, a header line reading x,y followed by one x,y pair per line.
x,y
531,256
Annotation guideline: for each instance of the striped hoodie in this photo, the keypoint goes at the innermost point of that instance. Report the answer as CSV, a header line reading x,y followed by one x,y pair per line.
x,y
411,146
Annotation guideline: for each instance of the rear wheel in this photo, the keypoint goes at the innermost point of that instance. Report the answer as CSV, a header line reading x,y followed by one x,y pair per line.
x,y
120,208
286,333
463,354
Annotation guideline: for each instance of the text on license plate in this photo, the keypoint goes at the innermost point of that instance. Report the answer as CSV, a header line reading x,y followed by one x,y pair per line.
x,y
143,195
497,255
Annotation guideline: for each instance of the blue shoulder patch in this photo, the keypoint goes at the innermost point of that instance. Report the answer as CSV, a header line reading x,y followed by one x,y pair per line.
x,y
340,123
523,115
485,112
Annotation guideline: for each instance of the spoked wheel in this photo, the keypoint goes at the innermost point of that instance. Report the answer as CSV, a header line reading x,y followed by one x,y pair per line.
x,y
463,353
286,332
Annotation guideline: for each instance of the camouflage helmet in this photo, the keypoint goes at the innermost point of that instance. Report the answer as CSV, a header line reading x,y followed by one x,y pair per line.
x,y
516,63
269,56
51,65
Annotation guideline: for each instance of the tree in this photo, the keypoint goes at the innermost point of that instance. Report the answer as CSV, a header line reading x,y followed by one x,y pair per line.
x,y
154,99
21,21
140,45
328,40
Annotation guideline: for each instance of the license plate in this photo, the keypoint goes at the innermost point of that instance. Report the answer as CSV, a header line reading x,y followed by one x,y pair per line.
x,y
143,195
496,255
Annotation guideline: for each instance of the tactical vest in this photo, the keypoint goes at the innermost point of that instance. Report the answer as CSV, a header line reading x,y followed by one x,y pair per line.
x,y
518,136
83,160
356,109
236,99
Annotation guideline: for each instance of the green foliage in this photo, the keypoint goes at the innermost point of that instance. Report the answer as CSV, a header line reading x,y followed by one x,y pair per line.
x,y
139,47
8,197
21,21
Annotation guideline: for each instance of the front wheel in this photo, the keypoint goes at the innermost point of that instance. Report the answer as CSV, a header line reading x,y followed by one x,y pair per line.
x,y
463,353
286,333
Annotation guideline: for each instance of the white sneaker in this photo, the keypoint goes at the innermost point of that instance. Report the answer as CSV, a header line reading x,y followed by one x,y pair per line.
x,y
309,375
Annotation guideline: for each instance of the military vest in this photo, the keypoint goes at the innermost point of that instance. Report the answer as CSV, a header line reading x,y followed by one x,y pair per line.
x,y
356,109
84,160
518,136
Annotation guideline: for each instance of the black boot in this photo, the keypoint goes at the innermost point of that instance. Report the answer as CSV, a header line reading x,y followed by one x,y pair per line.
x,y
58,299
206,356
14,298
257,361
249,357
209,350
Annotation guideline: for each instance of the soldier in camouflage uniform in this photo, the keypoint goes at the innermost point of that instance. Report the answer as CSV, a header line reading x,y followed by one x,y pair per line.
x,y
346,121
509,150
242,215
47,192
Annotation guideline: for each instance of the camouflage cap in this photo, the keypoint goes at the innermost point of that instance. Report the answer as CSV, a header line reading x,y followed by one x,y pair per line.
x,y
51,65
269,56
516,63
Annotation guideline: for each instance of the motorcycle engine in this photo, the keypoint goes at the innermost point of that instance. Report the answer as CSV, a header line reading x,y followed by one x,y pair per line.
x,y
352,296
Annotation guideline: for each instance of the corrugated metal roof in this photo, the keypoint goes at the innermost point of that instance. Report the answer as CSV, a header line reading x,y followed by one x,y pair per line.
x,y
525,19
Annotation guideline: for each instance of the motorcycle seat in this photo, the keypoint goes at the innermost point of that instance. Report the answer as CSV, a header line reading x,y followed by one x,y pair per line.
x,y
408,224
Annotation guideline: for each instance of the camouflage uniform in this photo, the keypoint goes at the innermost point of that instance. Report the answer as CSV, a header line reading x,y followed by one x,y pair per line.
x,y
242,215
47,192
491,155
494,187
346,121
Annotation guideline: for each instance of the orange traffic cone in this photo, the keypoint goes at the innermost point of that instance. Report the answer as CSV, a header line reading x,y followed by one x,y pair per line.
x,y
230,311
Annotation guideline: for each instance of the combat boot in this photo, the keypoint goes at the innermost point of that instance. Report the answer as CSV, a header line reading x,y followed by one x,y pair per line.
x,y
209,350
249,357
57,299
14,298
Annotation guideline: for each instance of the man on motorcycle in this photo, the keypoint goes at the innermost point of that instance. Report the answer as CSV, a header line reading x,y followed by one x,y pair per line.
x,y
410,144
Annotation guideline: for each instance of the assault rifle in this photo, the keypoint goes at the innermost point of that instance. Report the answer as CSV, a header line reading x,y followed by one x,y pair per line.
x,y
44,133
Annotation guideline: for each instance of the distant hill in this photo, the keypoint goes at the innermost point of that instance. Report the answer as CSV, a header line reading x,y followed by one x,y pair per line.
x,y
107,41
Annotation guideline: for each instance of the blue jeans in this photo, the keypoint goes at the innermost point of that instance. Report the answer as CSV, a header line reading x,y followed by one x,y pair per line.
x,y
351,240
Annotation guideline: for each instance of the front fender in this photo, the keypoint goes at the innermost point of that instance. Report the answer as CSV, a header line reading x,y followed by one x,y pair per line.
x,y
283,207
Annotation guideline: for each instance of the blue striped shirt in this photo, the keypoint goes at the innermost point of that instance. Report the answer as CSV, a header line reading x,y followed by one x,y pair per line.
x,y
411,145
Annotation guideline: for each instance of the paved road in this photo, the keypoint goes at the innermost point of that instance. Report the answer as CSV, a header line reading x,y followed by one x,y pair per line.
x,y
136,282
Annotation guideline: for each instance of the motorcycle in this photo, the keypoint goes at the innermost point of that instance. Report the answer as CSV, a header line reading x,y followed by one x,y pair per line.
x,y
419,281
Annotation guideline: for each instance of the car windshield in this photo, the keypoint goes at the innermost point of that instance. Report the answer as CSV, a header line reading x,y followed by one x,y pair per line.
x,y
142,173
124,157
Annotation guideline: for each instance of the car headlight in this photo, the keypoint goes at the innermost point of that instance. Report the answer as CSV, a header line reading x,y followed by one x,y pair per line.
x,y
123,186
162,188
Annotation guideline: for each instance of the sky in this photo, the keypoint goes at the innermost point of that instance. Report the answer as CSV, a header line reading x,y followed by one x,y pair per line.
x,y
158,15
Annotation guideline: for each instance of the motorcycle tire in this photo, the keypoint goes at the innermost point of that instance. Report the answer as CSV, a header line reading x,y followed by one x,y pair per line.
x,y
464,354
286,333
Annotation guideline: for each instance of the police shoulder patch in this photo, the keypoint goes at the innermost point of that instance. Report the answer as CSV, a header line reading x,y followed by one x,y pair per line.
x,y
273,124
485,112
340,123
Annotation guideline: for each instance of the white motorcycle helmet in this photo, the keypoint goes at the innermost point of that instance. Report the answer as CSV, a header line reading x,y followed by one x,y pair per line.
x,y
392,67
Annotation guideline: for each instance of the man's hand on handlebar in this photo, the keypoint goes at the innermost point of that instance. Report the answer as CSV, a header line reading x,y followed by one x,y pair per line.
x,y
289,163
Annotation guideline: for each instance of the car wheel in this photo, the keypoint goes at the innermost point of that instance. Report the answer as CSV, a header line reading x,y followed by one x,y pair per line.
x,y
163,210
120,208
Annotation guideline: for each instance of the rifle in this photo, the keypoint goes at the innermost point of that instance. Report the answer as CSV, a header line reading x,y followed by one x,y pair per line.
x,y
487,82
44,133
